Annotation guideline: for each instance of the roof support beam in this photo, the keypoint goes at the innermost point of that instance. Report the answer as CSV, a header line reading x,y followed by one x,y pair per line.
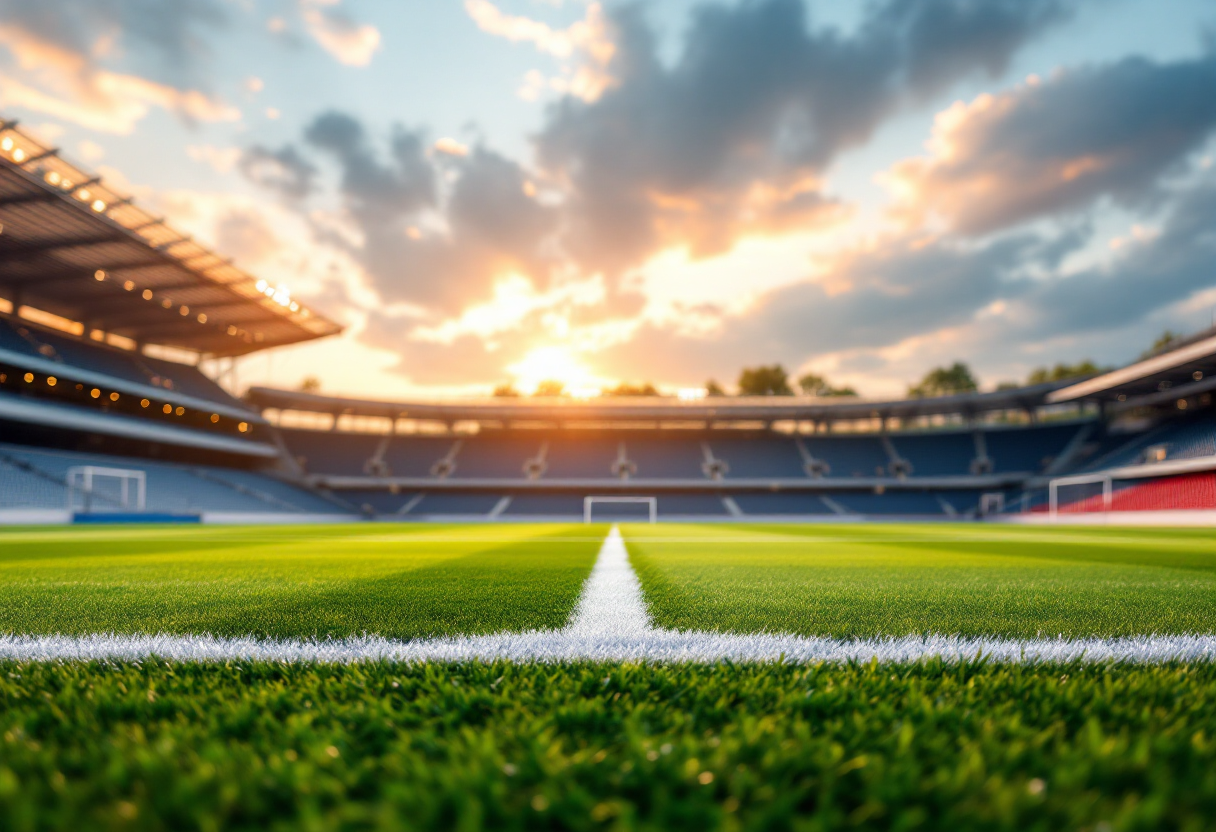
x,y
59,274
22,251
25,199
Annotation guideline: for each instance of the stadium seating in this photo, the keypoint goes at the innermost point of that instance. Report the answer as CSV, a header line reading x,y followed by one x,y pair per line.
x,y
936,454
782,504
585,456
442,504
36,478
891,503
28,340
415,456
849,456
1027,449
665,455
546,505
1193,491
496,456
332,452
758,456
23,487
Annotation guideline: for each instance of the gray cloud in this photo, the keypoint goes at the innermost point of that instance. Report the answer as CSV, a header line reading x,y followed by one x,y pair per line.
x,y
1058,145
733,136
284,171
433,244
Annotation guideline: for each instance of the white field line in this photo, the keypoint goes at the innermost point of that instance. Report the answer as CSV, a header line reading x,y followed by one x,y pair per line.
x,y
610,623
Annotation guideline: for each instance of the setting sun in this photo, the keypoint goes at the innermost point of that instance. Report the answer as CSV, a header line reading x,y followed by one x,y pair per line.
x,y
553,363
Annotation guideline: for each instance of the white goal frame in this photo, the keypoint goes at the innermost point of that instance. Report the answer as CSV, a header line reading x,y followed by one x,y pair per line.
x,y
1053,489
652,502
81,480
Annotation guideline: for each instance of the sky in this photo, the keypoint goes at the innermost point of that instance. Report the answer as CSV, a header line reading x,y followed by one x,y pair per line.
x,y
491,191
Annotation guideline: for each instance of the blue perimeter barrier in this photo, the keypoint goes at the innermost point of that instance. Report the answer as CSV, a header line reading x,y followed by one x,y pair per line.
x,y
132,517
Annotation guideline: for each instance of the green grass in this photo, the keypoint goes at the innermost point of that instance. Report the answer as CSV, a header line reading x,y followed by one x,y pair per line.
x,y
904,579
593,746
399,581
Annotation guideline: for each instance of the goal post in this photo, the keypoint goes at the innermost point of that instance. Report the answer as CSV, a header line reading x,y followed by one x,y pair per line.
x,y
1084,492
652,504
93,488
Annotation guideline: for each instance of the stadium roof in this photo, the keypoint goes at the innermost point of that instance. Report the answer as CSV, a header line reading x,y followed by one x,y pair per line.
x,y
655,409
72,246
1188,369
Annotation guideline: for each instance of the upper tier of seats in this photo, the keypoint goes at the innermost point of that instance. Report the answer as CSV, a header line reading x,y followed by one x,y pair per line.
x,y
24,339
1186,438
677,454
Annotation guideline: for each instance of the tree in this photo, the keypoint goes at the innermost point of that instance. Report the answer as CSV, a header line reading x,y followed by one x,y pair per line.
x,y
764,381
311,384
550,388
1063,372
945,381
1163,342
712,388
815,385
626,389
506,391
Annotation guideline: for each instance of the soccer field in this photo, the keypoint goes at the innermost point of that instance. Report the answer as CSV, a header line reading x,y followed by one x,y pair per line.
x,y
731,722
412,581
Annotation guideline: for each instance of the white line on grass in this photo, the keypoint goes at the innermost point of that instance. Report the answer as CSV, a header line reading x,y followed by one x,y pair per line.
x,y
610,623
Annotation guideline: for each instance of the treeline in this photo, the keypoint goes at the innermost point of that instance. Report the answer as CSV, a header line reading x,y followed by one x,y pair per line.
x,y
774,380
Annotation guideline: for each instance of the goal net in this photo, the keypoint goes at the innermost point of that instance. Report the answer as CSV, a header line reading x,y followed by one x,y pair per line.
x,y
94,488
620,508
1080,495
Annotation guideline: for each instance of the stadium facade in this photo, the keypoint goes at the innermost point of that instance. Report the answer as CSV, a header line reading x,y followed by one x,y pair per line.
x,y
96,296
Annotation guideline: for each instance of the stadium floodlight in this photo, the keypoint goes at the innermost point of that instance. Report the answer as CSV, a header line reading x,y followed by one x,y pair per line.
x,y
96,488
1080,481
652,504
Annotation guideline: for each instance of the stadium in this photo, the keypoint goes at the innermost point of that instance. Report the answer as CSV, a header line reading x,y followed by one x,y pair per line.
x,y
91,280
228,606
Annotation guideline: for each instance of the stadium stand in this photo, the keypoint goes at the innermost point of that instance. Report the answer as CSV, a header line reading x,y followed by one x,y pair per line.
x,y
96,291
36,478
1195,491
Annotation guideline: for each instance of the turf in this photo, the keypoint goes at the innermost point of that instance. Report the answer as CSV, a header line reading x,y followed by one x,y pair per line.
x,y
593,746
880,579
395,581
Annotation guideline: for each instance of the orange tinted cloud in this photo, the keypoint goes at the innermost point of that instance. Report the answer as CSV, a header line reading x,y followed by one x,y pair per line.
x,y
1050,146
63,83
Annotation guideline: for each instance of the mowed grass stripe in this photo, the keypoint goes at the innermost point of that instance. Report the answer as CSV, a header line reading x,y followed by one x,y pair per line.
x,y
298,582
881,581
606,746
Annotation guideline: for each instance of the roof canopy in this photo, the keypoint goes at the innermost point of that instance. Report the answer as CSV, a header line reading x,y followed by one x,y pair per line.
x,y
72,246
1164,378
655,409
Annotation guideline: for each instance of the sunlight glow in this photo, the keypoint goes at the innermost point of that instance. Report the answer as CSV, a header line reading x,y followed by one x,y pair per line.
x,y
553,363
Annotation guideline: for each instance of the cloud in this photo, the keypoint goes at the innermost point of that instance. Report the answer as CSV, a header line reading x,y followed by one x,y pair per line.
x,y
434,232
58,47
351,43
1052,146
246,236
911,303
733,137
219,159
588,41
284,171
